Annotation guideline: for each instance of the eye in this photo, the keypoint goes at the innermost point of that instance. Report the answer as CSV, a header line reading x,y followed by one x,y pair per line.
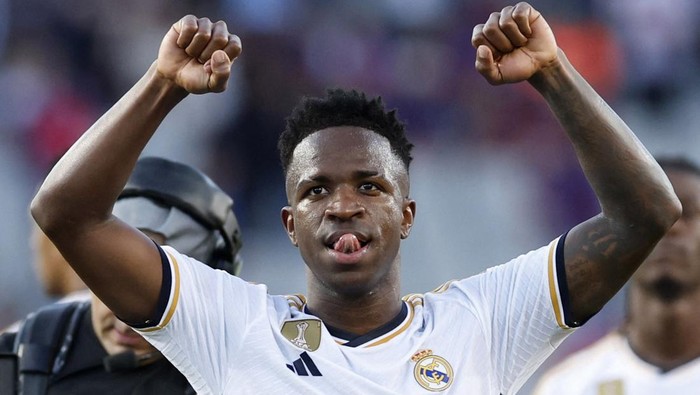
x,y
369,187
315,191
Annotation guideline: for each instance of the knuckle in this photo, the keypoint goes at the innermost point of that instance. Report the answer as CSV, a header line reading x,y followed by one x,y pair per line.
x,y
519,13
188,23
219,41
507,24
237,44
203,35
490,29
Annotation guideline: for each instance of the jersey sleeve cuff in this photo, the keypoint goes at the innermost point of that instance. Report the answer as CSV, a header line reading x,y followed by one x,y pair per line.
x,y
558,286
165,304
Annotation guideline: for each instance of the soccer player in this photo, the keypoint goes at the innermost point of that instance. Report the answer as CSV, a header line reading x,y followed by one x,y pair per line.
x,y
657,349
346,165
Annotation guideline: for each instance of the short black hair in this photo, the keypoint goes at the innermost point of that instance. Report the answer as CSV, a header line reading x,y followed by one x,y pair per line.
x,y
678,163
343,108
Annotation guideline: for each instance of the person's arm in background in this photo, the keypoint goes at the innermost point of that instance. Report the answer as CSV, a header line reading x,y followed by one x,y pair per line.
x,y
73,206
637,201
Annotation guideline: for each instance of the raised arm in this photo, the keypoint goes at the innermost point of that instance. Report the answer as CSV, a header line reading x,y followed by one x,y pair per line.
x,y
73,206
637,200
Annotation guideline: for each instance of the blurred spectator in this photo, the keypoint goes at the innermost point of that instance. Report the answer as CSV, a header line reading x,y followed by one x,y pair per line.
x,y
57,278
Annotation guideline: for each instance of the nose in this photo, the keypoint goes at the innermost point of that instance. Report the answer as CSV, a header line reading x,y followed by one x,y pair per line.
x,y
344,204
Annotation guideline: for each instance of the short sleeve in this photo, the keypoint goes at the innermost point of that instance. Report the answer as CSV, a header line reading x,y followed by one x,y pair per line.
x,y
203,319
519,305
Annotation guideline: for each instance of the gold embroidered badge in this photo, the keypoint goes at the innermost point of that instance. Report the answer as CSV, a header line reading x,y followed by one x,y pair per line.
x,y
432,372
613,387
305,334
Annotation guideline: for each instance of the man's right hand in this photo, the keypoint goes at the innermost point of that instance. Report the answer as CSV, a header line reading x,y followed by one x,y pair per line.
x,y
513,45
197,54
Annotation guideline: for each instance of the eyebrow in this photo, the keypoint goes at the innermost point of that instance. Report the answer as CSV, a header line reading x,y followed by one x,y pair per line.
x,y
323,179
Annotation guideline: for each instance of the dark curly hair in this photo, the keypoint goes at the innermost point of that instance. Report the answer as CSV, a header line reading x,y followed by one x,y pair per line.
x,y
342,108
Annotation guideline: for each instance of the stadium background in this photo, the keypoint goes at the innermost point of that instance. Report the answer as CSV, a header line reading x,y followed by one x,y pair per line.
x,y
493,174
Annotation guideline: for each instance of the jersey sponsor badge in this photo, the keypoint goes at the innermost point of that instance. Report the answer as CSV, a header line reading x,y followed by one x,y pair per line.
x,y
305,334
432,372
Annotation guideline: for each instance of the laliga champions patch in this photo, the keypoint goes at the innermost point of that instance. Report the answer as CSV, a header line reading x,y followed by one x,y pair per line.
x,y
432,372
305,334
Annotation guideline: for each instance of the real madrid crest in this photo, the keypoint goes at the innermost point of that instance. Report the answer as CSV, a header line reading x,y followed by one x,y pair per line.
x,y
432,372
305,334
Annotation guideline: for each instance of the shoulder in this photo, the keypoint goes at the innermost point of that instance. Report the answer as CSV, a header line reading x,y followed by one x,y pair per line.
x,y
451,296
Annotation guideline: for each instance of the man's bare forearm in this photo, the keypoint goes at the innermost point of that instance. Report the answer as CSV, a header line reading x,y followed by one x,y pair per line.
x,y
629,184
637,200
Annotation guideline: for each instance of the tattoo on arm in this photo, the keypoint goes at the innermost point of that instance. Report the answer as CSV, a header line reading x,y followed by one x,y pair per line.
x,y
599,259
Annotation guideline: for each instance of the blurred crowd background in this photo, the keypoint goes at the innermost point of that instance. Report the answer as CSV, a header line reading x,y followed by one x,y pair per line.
x,y
493,175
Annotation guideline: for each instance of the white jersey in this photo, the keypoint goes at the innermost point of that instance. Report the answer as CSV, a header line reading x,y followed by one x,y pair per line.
x,y
610,367
482,335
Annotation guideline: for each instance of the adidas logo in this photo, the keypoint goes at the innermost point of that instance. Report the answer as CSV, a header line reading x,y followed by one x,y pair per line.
x,y
304,365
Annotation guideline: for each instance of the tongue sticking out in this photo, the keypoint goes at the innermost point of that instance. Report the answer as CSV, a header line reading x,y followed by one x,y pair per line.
x,y
347,244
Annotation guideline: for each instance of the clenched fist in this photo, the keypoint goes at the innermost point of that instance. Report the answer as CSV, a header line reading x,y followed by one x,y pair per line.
x,y
197,54
513,45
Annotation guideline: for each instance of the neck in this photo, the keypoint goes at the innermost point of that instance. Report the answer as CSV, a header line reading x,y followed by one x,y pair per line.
x,y
664,333
358,314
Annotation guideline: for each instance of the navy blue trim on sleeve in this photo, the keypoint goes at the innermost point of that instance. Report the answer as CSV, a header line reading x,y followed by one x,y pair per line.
x,y
162,298
564,285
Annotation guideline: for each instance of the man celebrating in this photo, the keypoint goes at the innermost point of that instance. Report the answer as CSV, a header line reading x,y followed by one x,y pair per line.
x,y
346,162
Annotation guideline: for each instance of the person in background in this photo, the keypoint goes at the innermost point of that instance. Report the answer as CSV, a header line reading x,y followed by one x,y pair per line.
x,y
657,349
57,278
81,347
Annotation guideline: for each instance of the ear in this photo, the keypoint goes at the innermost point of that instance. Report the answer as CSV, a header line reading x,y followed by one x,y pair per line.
x,y
288,223
409,214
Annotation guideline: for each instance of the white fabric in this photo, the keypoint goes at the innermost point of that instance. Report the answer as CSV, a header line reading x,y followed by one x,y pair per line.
x,y
494,329
610,367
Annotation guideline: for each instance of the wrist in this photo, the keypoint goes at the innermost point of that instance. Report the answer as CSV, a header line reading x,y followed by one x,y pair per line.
x,y
553,75
157,81
164,91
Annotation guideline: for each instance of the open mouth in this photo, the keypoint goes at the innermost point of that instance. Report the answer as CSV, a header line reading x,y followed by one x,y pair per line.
x,y
347,243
